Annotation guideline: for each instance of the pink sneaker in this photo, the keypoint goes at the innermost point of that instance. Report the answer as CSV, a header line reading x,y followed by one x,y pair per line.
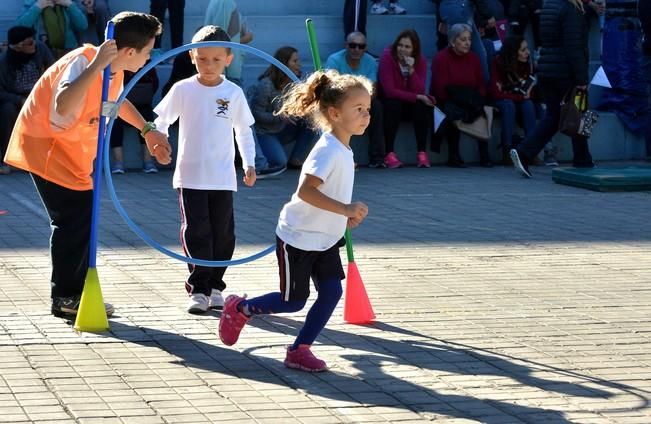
x,y
232,321
303,359
392,161
422,160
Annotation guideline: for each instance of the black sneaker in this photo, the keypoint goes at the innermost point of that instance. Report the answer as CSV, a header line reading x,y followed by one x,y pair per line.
x,y
520,165
377,164
66,307
270,171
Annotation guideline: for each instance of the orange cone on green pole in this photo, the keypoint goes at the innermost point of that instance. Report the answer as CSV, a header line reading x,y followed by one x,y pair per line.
x,y
357,307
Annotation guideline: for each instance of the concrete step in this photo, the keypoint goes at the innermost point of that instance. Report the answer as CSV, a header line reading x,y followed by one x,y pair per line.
x,y
274,7
610,141
329,30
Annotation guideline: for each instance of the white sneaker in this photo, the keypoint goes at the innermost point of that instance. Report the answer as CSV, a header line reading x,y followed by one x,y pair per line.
x,y
396,9
198,303
379,9
216,300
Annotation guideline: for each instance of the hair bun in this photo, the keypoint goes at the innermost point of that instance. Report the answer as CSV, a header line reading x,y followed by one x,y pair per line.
x,y
320,84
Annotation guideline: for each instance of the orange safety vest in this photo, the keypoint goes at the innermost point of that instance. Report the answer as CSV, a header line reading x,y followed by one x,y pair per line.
x,y
64,157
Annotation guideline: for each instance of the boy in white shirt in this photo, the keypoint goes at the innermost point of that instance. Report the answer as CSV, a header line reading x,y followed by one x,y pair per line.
x,y
209,108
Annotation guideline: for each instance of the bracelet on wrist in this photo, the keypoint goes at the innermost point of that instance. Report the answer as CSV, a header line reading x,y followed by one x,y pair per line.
x,y
148,127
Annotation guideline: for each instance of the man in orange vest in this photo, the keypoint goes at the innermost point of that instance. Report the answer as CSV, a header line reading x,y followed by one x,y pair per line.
x,y
55,140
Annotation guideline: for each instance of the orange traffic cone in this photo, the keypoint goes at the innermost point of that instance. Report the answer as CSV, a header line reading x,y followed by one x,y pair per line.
x,y
357,307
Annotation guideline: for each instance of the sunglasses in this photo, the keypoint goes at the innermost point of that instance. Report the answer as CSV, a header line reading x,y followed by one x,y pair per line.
x,y
360,46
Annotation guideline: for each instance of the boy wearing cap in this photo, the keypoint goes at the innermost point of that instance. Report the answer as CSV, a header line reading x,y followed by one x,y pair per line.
x,y
20,67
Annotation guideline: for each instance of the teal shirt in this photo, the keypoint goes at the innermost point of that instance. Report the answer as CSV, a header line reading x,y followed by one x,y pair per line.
x,y
367,65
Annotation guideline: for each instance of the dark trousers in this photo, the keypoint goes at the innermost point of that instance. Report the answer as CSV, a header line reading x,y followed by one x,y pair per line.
x,y
451,133
396,111
355,16
176,9
8,115
117,132
553,92
207,232
375,132
70,215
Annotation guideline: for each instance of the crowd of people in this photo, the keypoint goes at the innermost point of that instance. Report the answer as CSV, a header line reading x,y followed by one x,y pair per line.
x,y
466,74
55,133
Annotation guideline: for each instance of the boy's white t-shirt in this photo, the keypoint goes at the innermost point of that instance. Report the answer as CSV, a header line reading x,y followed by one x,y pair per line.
x,y
207,118
307,227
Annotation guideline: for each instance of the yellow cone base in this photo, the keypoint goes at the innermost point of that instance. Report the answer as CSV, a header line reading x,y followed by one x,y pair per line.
x,y
357,307
91,316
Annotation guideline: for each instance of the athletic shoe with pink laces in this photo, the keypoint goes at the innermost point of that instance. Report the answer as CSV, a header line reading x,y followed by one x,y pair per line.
x,y
232,321
422,160
392,161
303,359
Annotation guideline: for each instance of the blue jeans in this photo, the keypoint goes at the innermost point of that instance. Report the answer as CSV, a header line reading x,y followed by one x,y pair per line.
x,y
461,12
269,147
508,113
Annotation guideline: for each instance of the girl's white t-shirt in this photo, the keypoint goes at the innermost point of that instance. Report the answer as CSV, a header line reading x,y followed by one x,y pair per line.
x,y
307,227
207,118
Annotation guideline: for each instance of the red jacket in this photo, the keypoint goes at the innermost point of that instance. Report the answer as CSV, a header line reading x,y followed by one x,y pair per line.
x,y
393,85
450,69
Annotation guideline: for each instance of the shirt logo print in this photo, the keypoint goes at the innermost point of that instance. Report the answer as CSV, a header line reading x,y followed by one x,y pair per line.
x,y
222,107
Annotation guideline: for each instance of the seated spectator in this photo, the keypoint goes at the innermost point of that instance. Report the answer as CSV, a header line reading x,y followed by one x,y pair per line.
x,y
458,85
355,13
182,68
377,8
57,22
176,9
521,13
354,60
463,12
224,14
98,14
273,131
21,65
401,75
512,83
141,96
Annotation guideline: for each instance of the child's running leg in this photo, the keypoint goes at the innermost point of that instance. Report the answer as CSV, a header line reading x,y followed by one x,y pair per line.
x,y
238,311
299,354
328,296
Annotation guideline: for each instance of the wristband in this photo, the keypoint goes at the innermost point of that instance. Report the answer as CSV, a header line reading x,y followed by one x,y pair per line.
x,y
148,127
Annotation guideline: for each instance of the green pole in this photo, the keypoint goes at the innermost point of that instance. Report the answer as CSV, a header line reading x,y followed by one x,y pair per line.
x,y
316,59
314,47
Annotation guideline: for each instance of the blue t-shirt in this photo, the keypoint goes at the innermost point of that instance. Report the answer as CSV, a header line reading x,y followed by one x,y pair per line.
x,y
367,65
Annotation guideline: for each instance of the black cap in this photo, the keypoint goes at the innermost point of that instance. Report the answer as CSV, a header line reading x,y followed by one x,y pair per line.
x,y
19,33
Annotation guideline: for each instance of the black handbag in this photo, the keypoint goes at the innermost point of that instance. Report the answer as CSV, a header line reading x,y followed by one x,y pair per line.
x,y
570,112
575,118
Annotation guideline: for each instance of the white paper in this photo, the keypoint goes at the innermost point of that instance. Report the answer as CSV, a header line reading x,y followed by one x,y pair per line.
x,y
439,116
498,45
601,79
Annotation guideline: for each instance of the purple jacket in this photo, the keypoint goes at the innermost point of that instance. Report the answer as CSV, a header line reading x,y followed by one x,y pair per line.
x,y
391,82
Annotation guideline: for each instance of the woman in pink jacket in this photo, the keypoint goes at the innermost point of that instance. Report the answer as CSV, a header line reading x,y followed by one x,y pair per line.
x,y
401,76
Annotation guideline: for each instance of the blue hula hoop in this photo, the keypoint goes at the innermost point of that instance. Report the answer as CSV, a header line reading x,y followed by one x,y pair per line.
x,y
107,169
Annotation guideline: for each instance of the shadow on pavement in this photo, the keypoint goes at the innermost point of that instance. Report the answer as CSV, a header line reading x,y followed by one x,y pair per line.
x,y
374,387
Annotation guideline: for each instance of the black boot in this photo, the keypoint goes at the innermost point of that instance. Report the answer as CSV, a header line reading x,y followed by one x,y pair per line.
x,y
484,157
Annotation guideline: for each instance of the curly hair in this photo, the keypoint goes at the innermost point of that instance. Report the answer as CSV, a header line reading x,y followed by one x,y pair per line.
x,y
323,89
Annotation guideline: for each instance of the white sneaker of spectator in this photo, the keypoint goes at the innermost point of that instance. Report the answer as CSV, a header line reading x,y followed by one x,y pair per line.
x,y
216,300
396,9
379,9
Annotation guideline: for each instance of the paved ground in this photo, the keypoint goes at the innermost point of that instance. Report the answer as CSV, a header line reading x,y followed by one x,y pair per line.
x,y
498,300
